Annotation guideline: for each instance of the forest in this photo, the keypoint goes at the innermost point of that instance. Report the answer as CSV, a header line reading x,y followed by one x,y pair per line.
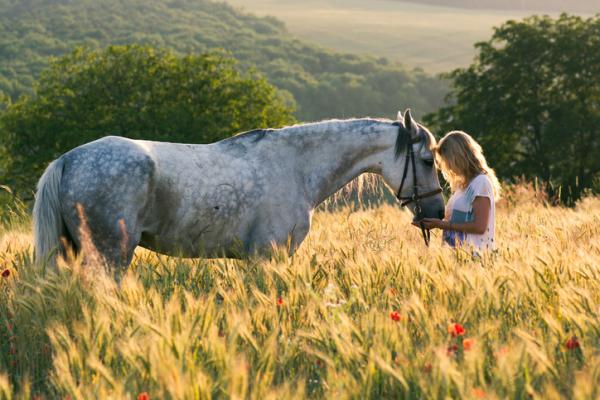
x,y
322,83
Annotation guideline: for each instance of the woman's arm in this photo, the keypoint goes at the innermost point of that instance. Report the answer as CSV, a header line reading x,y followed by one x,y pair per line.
x,y
481,213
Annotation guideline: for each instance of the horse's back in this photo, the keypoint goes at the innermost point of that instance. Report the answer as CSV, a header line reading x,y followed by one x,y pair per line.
x,y
112,160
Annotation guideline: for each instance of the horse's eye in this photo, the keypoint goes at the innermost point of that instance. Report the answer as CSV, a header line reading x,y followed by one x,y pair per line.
x,y
428,163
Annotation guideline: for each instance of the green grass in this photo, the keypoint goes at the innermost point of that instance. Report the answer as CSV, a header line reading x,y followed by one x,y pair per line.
x,y
318,324
437,39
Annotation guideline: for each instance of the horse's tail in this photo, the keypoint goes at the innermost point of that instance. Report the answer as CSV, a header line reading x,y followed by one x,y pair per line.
x,y
48,225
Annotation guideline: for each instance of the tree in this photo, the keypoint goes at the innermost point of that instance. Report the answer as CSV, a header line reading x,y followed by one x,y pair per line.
x,y
532,98
136,92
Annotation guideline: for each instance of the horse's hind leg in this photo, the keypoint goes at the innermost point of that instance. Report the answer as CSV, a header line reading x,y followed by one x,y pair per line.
x,y
118,245
107,238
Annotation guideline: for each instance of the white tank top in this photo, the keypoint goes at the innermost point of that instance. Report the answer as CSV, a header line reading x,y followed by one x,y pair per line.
x,y
460,209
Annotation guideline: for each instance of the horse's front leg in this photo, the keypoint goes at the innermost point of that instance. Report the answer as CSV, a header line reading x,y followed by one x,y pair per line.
x,y
282,230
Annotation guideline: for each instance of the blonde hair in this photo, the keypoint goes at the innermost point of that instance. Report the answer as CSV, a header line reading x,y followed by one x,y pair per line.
x,y
461,159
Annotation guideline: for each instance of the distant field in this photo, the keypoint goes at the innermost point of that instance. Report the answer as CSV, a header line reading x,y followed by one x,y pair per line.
x,y
436,39
586,6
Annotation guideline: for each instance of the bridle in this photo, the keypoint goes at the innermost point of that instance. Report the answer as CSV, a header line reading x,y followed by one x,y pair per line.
x,y
416,196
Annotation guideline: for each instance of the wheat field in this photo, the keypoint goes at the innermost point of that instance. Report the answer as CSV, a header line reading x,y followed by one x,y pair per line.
x,y
363,310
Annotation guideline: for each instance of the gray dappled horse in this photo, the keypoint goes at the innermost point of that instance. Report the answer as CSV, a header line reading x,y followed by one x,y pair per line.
x,y
240,195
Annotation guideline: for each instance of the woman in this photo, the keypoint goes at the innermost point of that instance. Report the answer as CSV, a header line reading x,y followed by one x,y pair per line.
x,y
470,212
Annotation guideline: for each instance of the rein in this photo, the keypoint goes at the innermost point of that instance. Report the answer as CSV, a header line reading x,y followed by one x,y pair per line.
x,y
416,197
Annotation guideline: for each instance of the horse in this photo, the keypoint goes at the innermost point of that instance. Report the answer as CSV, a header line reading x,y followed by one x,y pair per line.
x,y
236,197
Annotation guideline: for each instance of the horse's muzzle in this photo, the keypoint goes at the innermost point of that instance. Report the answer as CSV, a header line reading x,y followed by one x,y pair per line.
x,y
431,207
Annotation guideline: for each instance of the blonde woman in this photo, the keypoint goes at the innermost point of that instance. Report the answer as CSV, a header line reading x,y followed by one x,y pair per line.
x,y
470,212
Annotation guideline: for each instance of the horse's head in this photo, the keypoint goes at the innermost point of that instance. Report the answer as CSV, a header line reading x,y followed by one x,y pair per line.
x,y
413,174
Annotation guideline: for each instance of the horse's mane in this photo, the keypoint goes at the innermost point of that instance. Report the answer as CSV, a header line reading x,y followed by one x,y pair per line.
x,y
258,134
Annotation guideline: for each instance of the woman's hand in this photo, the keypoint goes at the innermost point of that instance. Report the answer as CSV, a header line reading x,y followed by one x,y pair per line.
x,y
431,223
481,213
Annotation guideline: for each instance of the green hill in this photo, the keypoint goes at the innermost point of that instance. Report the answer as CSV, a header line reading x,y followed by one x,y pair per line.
x,y
323,83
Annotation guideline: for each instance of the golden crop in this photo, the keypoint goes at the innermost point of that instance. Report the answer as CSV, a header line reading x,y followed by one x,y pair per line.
x,y
363,310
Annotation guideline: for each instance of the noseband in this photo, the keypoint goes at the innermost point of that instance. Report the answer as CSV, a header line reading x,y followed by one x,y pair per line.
x,y
416,197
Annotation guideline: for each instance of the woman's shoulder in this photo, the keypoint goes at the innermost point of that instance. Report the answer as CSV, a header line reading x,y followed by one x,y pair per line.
x,y
481,179
482,185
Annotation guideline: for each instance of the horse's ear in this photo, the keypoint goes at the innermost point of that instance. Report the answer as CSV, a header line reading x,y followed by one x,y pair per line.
x,y
400,117
408,121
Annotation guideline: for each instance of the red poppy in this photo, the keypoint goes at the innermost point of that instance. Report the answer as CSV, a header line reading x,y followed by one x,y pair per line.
x,y
572,343
456,330
395,315
479,393
468,344
6,273
279,302
143,396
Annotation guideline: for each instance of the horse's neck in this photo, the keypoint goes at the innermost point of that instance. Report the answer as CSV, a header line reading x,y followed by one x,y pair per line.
x,y
333,154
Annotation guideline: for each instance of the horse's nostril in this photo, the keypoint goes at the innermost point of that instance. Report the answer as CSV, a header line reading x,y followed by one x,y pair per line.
x,y
441,214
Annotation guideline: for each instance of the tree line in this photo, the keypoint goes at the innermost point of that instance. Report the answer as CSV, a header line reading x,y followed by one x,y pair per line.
x,y
532,98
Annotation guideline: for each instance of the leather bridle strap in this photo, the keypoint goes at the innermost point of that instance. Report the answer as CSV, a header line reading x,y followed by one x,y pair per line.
x,y
416,198
408,200
405,173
